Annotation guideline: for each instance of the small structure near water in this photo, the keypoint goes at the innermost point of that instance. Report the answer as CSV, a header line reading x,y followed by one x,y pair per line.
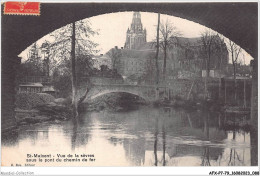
x,y
31,88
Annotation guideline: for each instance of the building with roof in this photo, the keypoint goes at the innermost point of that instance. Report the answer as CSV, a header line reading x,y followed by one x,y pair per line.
x,y
102,60
134,65
31,88
186,57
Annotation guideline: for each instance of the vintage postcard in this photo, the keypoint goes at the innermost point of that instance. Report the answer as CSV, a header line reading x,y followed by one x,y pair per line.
x,y
130,84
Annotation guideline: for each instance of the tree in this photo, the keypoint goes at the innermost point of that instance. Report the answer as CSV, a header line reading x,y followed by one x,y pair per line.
x,y
207,40
84,46
33,66
235,51
34,63
244,65
85,68
72,41
115,55
220,63
46,51
73,71
220,51
168,35
157,57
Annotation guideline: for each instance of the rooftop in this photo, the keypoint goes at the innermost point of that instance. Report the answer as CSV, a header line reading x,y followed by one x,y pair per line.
x,y
31,85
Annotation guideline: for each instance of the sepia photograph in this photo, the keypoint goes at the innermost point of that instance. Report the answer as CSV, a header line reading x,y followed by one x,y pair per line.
x,y
129,84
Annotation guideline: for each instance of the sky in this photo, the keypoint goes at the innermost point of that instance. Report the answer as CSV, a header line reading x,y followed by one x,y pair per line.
x,y
112,29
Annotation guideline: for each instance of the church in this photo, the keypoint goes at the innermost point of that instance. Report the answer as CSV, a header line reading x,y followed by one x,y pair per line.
x,y
136,35
185,58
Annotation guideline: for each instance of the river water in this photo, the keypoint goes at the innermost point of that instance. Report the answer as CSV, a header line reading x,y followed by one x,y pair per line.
x,y
146,136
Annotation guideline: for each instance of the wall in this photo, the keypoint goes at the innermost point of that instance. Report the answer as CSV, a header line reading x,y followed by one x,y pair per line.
x,y
103,80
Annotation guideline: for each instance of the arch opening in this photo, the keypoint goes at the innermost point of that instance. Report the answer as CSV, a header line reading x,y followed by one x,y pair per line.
x,y
112,101
127,94
189,19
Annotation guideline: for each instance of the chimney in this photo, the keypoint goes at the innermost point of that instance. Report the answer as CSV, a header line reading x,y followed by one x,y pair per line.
x,y
116,47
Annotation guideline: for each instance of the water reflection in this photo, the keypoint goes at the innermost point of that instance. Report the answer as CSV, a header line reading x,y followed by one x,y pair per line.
x,y
155,142
74,134
144,137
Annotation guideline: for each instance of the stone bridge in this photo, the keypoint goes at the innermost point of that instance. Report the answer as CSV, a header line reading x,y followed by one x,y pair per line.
x,y
147,92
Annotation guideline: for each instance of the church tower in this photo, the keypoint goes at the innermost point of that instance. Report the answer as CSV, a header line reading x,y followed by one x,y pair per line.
x,y
136,35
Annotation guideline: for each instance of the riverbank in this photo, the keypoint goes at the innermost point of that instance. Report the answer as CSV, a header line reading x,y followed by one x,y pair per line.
x,y
200,104
235,115
60,109
190,105
40,107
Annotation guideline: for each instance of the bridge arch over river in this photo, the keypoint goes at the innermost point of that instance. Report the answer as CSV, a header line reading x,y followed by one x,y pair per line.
x,y
148,93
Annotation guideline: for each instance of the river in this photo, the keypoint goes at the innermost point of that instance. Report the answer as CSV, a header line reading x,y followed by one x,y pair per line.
x,y
147,136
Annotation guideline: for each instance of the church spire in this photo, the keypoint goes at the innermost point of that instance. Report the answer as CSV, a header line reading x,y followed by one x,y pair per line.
x,y
136,36
136,22
136,15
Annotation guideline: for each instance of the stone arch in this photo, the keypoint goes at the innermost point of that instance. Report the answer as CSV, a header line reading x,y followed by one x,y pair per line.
x,y
95,95
221,17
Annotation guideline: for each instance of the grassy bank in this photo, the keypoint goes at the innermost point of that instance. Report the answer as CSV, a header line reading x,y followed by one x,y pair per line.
x,y
39,107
